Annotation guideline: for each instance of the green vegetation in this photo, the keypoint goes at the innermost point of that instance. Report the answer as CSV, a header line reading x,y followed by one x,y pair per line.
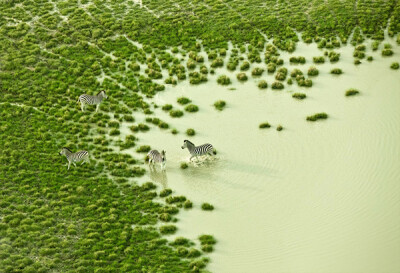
x,y
190,132
279,128
207,206
299,96
262,84
219,105
191,108
224,80
183,100
395,66
176,113
168,229
312,71
336,71
165,192
317,116
245,66
264,125
167,107
207,242
241,76
143,149
257,71
351,92
319,60
387,52
277,85
298,60
281,74
184,165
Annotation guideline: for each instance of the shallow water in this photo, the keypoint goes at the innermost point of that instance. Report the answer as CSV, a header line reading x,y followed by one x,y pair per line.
x,y
315,197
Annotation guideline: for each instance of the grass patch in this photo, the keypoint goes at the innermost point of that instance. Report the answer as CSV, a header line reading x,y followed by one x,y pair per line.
x,y
299,96
317,116
219,105
207,206
351,92
264,125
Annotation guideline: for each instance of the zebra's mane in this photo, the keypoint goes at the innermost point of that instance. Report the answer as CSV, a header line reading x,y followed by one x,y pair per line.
x,y
100,92
67,149
189,142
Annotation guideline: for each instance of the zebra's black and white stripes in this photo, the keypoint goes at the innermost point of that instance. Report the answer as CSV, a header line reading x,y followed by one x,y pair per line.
x,y
196,151
92,100
157,157
74,157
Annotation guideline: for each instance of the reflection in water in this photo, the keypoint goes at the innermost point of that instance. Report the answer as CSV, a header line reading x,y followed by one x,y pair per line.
x,y
158,175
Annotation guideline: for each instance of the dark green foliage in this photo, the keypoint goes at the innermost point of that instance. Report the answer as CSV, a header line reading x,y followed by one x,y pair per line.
x,y
184,165
207,206
281,74
219,105
224,80
140,127
262,84
143,149
312,71
394,66
298,60
319,59
183,100
241,76
299,96
176,113
165,192
257,71
188,204
336,71
168,229
279,128
351,92
191,108
277,85
245,66
190,132
317,116
167,107
264,125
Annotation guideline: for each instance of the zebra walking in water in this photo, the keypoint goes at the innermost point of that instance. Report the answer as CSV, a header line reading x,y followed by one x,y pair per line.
x,y
92,100
195,151
157,157
74,157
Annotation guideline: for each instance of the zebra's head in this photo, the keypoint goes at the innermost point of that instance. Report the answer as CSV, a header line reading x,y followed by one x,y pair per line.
x,y
163,155
103,94
185,144
64,150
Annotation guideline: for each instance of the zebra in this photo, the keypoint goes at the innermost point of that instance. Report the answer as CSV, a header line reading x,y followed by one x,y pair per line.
x,y
157,157
74,157
196,151
92,100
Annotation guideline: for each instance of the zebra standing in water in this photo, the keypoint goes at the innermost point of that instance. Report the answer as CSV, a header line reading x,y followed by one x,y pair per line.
x,y
155,157
196,151
74,157
92,100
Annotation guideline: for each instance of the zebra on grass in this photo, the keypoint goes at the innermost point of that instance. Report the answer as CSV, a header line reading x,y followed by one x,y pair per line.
x,y
157,157
74,157
195,151
92,100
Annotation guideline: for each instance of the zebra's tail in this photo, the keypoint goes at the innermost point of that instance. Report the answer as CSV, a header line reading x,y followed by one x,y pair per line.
x,y
214,151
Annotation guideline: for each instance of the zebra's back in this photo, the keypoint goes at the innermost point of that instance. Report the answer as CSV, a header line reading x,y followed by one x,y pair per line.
x,y
155,156
203,149
88,99
78,156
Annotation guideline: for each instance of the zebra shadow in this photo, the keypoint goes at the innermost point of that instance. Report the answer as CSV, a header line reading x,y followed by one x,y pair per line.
x,y
158,175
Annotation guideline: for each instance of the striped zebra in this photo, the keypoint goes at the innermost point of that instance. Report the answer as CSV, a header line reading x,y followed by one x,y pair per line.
x,y
92,100
157,157
195,151
74,157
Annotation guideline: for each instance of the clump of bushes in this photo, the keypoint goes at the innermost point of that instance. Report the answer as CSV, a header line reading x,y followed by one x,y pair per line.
x,y
190,132
183,100
241,76
207,206
224,80
165,192
192,108
207,242
298,60
296,72
351,92
168,229
143,149
336,71
245,66
333,56
257,71
166,107
175,113
319,59
264,125
184,165
188,204
312,71
277,85
317,116
220,105
299,96
279,128
281,74
262,84
394,66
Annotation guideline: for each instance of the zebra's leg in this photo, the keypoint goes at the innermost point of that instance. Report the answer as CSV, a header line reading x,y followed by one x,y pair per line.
x,y
190,159
97,107
69,164
82,106
74,163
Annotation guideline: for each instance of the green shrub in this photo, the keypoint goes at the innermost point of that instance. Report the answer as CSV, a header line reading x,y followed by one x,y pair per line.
x,y
167,107
175,113
245,66
317,116
191,108
207,206
183,100
257,71
188,204
394,66
184,165
351,92
264,125
336,71
312,71
168,229
319,60
165,192
241,76
299,96
190,132
277,85
262,84
143,149
279,128
224,80
220,105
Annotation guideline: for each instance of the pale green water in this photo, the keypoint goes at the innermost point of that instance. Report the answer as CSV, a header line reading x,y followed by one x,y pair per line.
x,y
315,197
